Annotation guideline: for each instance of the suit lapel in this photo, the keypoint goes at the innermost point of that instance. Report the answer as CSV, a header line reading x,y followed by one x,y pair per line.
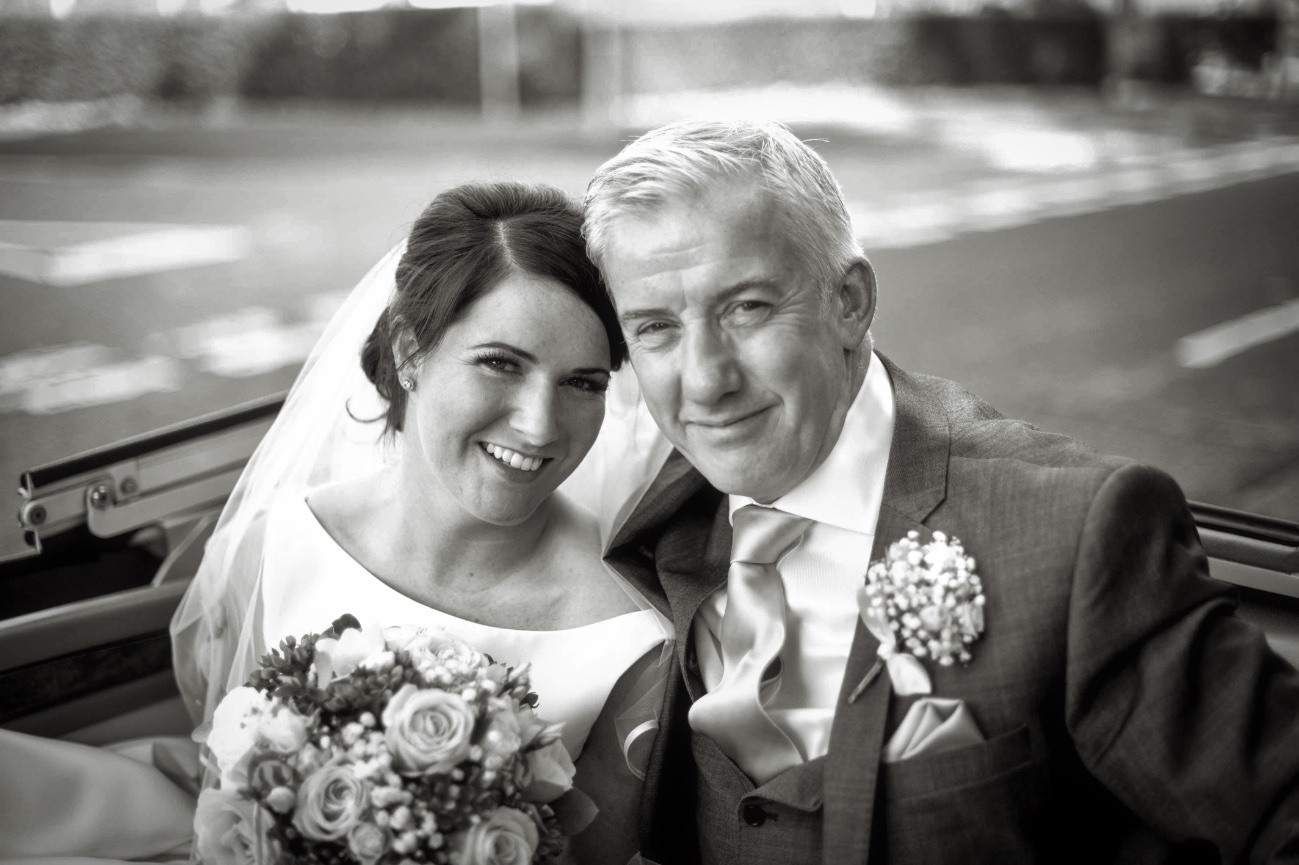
x,y
676,546
659,511
914,485
675,551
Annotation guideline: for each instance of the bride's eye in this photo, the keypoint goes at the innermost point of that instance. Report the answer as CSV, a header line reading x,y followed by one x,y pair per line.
x,y
588,384
498,362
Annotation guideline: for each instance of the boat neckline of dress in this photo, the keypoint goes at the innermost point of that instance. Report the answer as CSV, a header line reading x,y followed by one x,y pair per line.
x,y
300,501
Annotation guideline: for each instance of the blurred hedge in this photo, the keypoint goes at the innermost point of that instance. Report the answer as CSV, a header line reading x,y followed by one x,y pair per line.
x,y
919,50
409,55
432,55
1167,48
393,55
91,58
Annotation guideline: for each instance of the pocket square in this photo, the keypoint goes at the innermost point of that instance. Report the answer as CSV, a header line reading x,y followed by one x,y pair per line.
x,y
932,725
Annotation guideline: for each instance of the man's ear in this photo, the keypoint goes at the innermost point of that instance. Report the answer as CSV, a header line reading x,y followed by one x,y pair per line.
x,y
855,307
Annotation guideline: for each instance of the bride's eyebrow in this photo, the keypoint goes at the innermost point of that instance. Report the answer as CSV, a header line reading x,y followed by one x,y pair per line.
x,y
532,358
505,346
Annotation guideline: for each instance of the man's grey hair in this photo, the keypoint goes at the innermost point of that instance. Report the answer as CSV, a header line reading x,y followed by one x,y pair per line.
x,y
689,158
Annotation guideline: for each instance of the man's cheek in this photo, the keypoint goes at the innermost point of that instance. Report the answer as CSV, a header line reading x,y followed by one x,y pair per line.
x,y
657,390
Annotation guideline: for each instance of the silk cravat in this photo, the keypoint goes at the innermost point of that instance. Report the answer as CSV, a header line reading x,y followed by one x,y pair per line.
x,y
752,635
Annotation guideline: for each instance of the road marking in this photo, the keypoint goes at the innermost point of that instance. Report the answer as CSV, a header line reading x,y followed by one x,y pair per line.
x,y
62,378
240,344
76,253
999,208
19,371
244,343
1036,150
916,220
1215,344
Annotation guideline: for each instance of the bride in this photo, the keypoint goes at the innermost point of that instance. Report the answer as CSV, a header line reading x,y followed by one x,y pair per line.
x,y
425,470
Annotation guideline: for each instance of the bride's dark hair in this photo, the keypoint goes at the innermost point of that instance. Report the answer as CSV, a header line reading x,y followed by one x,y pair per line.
x,y
466,242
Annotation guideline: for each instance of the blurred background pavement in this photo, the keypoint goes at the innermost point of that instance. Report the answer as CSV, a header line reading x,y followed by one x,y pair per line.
x,y
1100,238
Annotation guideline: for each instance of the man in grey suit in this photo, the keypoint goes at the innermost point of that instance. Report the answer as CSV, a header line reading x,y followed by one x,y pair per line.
x,y
1113,708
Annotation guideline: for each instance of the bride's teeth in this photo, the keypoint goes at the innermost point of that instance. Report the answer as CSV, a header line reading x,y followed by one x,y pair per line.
x,y
513,459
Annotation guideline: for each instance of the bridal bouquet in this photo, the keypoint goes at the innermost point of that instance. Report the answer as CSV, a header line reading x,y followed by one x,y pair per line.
x,y
393,745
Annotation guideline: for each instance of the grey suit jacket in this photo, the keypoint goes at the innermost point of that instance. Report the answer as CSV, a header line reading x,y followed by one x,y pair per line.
x,y
1130,716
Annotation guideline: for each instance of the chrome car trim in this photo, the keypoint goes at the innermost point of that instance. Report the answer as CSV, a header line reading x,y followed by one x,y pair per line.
x,y
139,483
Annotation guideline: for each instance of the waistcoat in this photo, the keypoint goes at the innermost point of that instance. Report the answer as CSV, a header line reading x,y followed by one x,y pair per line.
x,y
778,823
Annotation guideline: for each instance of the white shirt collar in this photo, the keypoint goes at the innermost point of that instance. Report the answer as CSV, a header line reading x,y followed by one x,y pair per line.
x,y
846,490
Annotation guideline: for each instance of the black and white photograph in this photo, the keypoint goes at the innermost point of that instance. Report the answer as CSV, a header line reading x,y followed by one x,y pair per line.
x,y
649,432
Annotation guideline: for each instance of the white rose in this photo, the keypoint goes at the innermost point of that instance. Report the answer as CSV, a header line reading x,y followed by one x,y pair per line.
x,y
546,773
380,662
338,658
414,640
225,830
427,731
235,725
331,802
507,837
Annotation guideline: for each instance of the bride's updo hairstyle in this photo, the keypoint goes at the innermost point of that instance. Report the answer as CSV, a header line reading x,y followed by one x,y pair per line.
x,y
464,244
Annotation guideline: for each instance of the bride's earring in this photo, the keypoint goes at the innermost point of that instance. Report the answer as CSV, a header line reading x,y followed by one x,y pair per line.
x,y
407,383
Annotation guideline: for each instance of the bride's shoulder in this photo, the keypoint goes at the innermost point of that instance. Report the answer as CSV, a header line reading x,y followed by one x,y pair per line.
x,y
344,509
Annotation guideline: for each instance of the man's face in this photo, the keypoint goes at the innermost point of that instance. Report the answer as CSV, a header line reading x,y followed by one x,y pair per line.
x,y
741,365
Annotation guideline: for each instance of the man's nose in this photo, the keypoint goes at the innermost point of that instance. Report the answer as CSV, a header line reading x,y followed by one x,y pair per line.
x,y
536,414
708,366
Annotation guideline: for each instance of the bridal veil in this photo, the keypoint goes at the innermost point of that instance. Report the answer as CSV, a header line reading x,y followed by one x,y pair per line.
x,y
322,435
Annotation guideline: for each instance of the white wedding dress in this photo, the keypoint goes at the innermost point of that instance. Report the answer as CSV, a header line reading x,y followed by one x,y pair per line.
x,y
308,580
61,802
70,812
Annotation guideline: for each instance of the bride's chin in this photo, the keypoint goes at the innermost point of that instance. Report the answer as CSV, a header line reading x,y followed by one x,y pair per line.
x,y
506,520
509,510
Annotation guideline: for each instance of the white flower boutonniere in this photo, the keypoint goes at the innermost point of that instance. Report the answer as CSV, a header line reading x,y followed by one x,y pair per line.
x,y
920,601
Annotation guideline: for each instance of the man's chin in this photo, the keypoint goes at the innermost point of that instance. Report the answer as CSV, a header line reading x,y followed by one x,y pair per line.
x,y
737,480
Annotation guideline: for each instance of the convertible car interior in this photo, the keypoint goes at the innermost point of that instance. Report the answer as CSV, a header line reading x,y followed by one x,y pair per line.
x,y
115,535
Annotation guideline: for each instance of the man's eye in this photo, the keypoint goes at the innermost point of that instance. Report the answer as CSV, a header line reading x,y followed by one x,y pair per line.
x,y
654,333
747,312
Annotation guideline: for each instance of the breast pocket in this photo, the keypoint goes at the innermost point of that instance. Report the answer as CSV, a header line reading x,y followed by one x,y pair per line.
x,y
976,804
983,803
1001,755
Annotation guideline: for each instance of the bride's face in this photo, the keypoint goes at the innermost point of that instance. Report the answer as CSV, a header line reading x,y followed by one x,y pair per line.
x,y
511,399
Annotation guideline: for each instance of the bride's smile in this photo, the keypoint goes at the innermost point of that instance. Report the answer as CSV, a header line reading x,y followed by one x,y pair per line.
x,y
514,459
509,401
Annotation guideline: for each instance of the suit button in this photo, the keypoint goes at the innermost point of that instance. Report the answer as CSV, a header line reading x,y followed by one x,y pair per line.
x,y
754,815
